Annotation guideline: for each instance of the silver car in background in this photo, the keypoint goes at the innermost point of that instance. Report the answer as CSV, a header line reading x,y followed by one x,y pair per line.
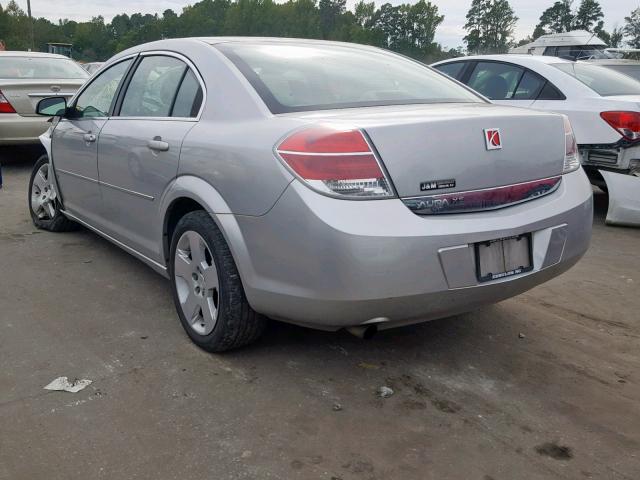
x,y
26,78
325,184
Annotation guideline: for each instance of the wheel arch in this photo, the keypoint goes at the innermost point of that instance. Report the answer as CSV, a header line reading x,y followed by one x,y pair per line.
x,y
190,193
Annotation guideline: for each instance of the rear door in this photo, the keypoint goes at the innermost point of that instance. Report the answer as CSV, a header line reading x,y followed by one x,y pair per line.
x,y
139,148
74,144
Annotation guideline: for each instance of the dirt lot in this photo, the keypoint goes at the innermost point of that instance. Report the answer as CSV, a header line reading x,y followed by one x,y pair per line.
x,y
545,385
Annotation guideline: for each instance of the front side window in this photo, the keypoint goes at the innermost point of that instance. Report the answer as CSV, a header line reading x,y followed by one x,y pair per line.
x,y
48,68
303,77
96,99
495,80
153,87
603,81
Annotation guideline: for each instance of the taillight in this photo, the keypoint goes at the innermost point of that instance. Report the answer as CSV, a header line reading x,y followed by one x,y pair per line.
x,y
5,106
626,123
571,157
335,162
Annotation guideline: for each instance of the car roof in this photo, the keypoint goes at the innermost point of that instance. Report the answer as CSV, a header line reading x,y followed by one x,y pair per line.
x,y
511,57
218,40
17,53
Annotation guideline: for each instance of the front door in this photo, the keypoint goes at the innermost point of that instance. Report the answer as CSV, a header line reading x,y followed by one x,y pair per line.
x,y
75,144
139,149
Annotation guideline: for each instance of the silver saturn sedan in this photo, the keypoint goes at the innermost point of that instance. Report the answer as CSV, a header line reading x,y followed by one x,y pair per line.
x,y
326,184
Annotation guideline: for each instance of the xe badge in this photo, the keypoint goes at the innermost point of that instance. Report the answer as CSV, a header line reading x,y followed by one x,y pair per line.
x,y
492,138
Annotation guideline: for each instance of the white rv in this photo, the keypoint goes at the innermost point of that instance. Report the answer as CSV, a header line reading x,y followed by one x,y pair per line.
x,y
575,45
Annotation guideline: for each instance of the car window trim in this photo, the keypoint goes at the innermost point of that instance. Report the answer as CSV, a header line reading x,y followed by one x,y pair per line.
x,y
167,53
74,99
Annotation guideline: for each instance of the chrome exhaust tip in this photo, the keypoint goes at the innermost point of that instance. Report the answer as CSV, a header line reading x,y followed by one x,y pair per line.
x,y
364,332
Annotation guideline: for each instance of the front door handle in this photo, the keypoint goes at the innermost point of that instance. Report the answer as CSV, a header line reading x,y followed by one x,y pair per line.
x,y
89,137
158,144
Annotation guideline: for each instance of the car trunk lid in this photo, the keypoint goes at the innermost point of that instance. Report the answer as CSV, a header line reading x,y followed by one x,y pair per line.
x,y
24,95
442,148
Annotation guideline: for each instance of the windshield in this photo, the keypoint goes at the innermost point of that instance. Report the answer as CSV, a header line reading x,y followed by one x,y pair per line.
x,y
294,78
601,80
40,68
631,70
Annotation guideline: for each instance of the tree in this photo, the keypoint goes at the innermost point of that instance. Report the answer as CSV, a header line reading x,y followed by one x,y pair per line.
x,y
490,25
408,29
556,19
588,16
632,28
330,11
616,37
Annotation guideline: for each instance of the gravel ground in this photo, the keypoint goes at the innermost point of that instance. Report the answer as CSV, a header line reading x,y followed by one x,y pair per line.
x,y
545,385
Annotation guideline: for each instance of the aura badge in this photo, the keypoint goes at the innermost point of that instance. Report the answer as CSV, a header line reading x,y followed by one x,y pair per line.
x,y
492,138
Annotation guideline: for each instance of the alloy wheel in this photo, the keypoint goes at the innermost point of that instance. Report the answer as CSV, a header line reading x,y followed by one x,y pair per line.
x,y
43,195
197,284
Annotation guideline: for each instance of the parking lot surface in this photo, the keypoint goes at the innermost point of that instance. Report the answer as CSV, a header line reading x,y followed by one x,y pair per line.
x,y
545,385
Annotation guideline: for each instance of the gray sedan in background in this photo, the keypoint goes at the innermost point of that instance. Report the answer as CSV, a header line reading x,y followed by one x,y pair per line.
x,y
326,184
26,78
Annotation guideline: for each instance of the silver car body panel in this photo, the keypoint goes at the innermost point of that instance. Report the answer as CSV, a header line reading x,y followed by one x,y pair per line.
x,y
624,198
356,261
312,259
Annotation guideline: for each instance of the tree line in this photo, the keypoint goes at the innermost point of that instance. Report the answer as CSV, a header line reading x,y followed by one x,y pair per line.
x,y
408,28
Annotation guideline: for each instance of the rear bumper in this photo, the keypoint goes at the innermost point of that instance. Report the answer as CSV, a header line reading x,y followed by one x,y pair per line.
x,y
16,129
330,263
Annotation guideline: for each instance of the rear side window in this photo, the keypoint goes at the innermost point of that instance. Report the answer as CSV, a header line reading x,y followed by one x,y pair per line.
x,y
153,87
496,80
603,81
529,86
303,76
189,97
452,69
550,92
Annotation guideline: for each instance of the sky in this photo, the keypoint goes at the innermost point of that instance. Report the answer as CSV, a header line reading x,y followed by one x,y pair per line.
x,y
449,34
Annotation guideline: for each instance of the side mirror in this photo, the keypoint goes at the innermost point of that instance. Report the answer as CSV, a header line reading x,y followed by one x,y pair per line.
x,y
52,107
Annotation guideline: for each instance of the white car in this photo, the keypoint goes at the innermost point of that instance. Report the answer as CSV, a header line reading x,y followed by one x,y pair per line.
x,y
603,106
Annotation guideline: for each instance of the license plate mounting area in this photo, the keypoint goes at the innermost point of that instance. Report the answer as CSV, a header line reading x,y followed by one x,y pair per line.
x,y
503,257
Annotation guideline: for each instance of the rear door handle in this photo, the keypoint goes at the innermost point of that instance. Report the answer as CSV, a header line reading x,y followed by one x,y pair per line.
x,y
158,144
89,137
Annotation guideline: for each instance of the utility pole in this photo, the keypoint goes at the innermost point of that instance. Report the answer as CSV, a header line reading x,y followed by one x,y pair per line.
x,y
31,25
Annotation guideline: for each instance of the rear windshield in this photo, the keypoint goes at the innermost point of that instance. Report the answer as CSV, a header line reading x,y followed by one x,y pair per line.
x,y
294,78
631,70
601,80
39,67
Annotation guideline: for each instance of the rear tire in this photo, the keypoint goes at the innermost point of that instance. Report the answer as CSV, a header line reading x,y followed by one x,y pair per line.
x,y
44,205
206,287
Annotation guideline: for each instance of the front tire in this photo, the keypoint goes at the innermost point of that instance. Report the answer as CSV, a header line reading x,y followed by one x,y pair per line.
x,y
44,205
207,289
